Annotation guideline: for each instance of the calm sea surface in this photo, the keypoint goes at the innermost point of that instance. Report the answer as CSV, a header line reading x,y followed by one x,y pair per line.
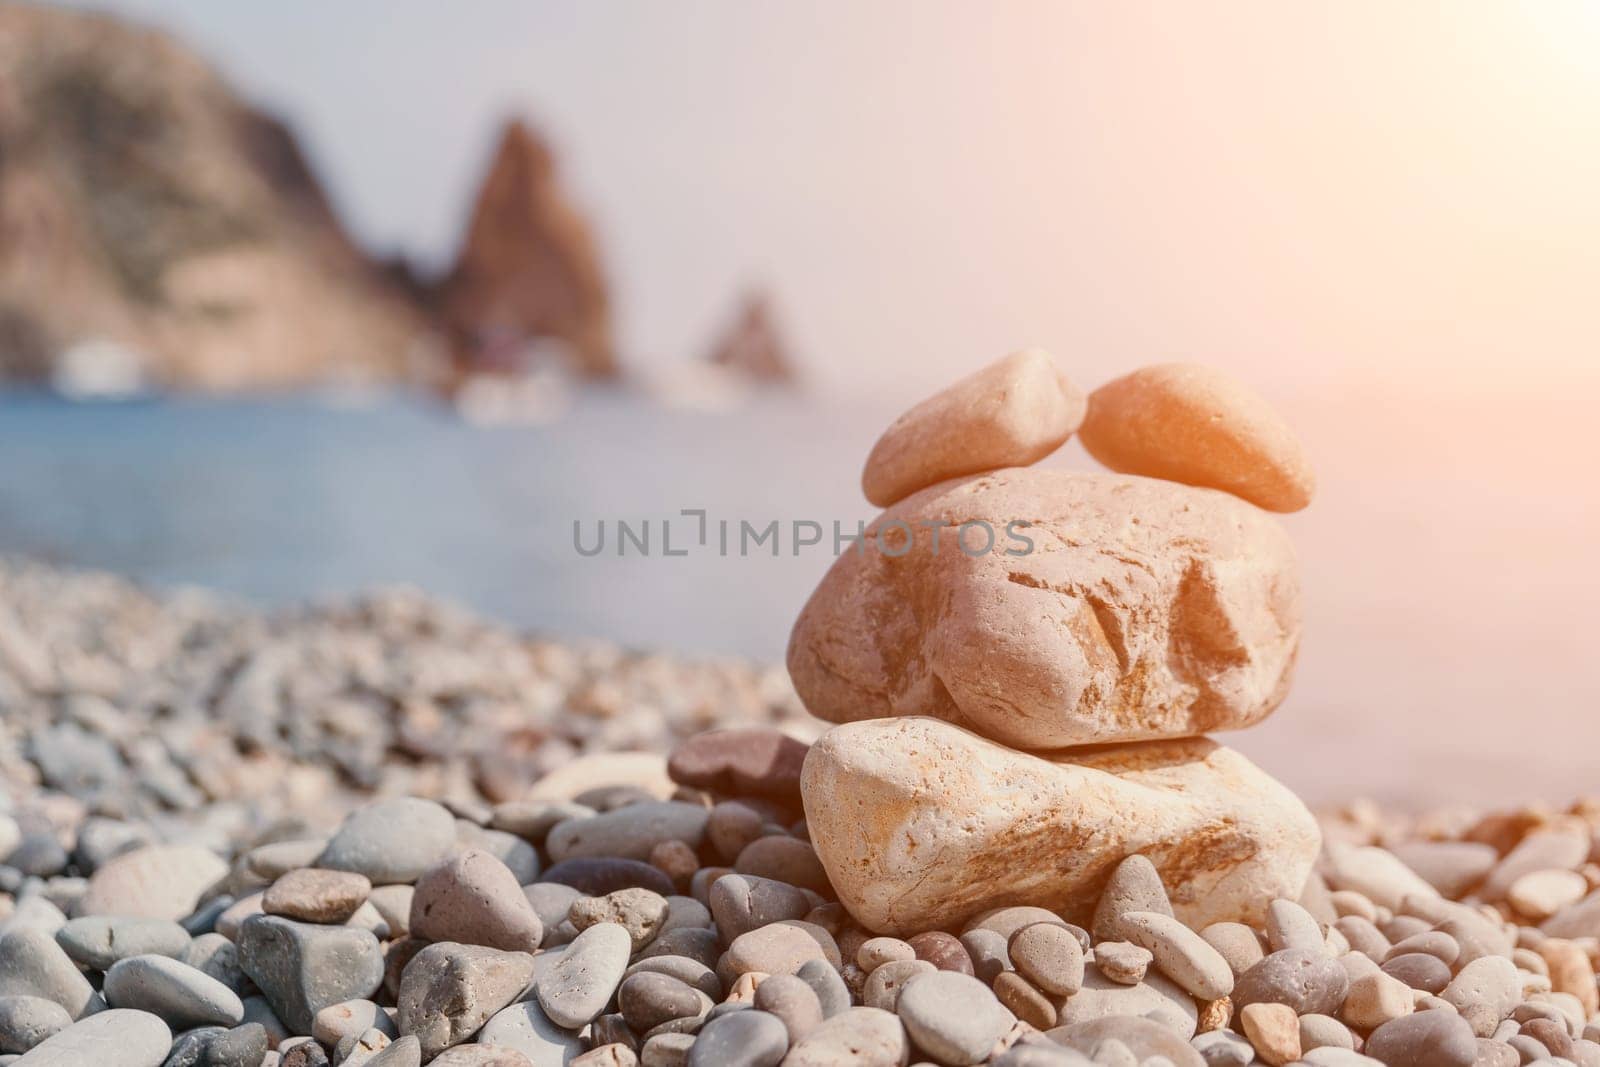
x,y
1453,598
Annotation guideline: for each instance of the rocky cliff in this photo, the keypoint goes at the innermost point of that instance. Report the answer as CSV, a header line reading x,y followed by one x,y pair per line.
x,y
143,204
528,268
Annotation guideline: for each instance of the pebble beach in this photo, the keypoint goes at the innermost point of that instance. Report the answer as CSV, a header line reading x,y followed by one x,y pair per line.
x,y
202,865
383,832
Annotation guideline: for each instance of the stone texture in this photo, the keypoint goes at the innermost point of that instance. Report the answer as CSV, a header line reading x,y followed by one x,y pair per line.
x,y
99,941
473,898
156,882
1143,610
1184,422
391,841
743,760
302,968
316,896
115,1038
579,985
33,965
181,995
1013,412
921,824
449,991
862,1037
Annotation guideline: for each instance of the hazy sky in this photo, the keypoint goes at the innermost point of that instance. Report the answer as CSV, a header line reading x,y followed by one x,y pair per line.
x,y
1363,191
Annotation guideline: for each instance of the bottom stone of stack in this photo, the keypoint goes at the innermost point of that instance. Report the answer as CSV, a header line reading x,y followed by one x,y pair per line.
x,y
922,825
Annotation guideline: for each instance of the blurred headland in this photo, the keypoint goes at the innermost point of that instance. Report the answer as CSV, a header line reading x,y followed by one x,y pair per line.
x,y
157,231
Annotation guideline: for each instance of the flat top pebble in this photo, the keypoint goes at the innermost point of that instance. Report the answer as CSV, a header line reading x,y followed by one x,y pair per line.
x,y
953,1016
181,995
391,841
114,1038
98,941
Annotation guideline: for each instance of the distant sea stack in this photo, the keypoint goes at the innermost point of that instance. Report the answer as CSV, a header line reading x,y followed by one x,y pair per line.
x,y
752,347
528,269
143,204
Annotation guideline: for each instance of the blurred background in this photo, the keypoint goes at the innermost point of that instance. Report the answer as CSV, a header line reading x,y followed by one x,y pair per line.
x,y
299,299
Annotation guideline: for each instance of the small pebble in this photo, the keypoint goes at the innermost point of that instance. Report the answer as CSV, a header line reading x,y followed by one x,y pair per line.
x,y
316,896
448,991
638,911
1122,961
579,986
181,995
1048,956
1273,1030
953,1016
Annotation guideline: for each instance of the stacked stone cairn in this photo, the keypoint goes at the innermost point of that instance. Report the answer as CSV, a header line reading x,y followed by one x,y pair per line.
x,y
1026,659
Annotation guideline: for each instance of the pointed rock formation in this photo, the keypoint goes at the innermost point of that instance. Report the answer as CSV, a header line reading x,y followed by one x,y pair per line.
x,y
752,346
144,206
528,269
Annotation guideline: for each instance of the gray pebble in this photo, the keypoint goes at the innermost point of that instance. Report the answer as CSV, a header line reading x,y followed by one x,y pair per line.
x,y
647,1000
741,1039
33,965
406,1052
302,968
578,987
826,982
1310,982
987,948
1419,971
26,1021
215,1046
99,941
525,1028
551,902
598,875
742,902
629,832
181,995
391,841
953,1016
215,955
1223,1048
1425,1039
521,858
688,971
115,1038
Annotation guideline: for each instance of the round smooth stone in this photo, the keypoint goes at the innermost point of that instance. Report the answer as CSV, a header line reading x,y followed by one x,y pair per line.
x,y
1048,956
648,999
1418,970
596,876
1189,423
391,841
155,882
181,995
577,988
749,1038
26,1021
1311,983
629,832
953,1016
829,986
1436,1038
741,903
100,941
524,1028
119,1037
